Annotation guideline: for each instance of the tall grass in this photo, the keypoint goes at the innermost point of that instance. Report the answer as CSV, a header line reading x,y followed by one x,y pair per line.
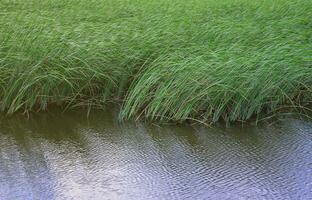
x,y
166,60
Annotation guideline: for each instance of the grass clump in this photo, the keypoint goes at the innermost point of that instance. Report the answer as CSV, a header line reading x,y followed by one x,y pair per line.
x,y
165,60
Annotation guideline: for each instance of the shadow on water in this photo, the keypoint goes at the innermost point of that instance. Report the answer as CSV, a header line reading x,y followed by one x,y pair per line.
x,y
69,156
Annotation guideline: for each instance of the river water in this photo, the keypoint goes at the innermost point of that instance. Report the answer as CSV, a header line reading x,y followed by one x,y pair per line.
x,y
69,156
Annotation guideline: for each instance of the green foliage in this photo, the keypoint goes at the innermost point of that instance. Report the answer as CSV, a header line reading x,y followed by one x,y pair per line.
x,y
166,60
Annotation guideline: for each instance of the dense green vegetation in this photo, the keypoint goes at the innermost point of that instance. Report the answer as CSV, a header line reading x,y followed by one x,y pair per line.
x,y
162,59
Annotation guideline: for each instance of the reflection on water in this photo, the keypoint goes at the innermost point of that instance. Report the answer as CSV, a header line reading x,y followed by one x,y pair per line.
x,y
66,156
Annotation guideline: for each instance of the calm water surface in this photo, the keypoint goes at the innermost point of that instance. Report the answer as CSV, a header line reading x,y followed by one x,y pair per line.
x,y
67,156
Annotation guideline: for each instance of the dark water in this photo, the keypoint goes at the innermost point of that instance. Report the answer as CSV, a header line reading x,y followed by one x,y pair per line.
x,y
66,156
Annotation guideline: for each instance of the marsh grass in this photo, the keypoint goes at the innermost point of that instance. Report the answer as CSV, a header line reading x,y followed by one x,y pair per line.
x,y
163,60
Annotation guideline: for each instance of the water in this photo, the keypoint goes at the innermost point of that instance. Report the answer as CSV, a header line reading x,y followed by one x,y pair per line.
x,y
67,156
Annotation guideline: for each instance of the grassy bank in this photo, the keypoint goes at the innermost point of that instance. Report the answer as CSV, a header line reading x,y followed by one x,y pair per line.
x,y
164,60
